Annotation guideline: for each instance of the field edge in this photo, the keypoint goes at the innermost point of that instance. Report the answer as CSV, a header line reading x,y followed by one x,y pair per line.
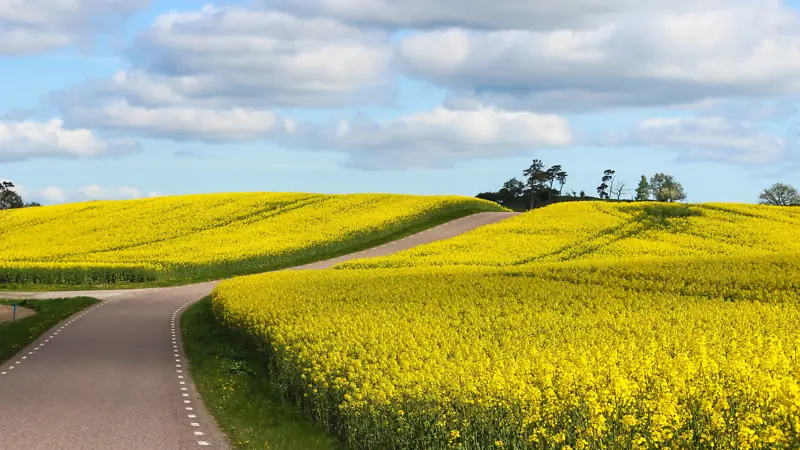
x,y
236,389
15,336
428,222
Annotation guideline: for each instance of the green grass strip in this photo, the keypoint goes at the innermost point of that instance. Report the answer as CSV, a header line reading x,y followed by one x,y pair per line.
x,y
14,336
235,387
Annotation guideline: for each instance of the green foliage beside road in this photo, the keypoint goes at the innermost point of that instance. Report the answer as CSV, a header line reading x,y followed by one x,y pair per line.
x,y
233,381
14,336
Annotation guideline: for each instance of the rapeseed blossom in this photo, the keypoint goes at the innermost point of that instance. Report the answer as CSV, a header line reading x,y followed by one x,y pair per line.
x,y
612,232
638,326
201,236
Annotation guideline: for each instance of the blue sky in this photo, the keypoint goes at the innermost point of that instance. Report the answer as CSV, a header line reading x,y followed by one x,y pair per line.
x,y
119,99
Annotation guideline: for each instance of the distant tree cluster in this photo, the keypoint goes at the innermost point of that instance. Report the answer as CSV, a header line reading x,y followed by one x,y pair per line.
x,y
610,187
539,182
10,199
661,188
538,186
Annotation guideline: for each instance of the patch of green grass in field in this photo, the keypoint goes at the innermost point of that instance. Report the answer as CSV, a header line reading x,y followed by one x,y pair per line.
x,y
258,265
15,335
236,389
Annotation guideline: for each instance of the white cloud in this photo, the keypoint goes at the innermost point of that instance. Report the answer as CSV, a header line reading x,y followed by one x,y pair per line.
x,y
745,49
711,139
51,194
21,41
440,137
96,192
215,74
182,123
220,74
24,140
519,14
245,57
32,26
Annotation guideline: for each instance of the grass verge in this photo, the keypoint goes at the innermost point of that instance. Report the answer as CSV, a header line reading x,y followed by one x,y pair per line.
x,y
236,389
208,274
14,336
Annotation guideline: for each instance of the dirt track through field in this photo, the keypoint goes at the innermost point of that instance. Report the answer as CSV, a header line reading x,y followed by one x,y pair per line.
x,y
115,376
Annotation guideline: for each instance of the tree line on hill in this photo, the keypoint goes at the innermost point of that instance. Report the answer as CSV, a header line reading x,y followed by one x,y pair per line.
x,y
538,188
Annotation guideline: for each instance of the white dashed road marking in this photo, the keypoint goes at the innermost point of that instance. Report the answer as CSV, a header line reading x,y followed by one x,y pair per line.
x,y
181,382
51,336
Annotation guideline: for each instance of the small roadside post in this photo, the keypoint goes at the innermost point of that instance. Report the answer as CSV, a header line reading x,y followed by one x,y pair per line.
x,y
14,314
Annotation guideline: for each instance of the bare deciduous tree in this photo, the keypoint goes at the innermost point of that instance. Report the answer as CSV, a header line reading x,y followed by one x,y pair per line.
x,y
618,190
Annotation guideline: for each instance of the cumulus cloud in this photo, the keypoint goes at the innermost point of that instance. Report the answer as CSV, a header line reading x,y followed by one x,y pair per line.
x,y
182,123
215,75
497,14
244,57
440,137
237,73
741,49
24,140
32,26
710,139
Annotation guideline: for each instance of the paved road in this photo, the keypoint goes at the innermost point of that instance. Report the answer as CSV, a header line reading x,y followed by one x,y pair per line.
x,y
115,376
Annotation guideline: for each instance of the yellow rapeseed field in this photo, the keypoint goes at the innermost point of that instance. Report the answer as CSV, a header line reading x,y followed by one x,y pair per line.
x,y
577,326
612,231
202,236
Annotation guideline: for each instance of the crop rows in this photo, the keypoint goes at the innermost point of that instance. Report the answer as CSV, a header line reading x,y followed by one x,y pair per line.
x,y
608,233
200,237
518,335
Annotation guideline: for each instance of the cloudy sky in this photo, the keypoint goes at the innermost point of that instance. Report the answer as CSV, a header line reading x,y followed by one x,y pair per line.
x,y
131,98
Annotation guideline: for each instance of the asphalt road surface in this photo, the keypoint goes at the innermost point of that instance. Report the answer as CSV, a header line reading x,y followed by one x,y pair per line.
x,y
115,376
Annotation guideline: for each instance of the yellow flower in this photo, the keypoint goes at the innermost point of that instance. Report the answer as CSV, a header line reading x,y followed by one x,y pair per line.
x,y
567,324
199,235
629,420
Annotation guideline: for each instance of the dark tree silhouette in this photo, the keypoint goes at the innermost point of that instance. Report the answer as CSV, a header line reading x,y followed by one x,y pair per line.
x,y
9,199
515,187
607,184
561,177
535,179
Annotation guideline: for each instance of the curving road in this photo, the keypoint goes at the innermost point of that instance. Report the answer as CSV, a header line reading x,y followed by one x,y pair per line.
x,y
115,376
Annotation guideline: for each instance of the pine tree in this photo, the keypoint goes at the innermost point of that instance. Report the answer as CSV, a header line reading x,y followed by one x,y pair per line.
x,y
643,191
